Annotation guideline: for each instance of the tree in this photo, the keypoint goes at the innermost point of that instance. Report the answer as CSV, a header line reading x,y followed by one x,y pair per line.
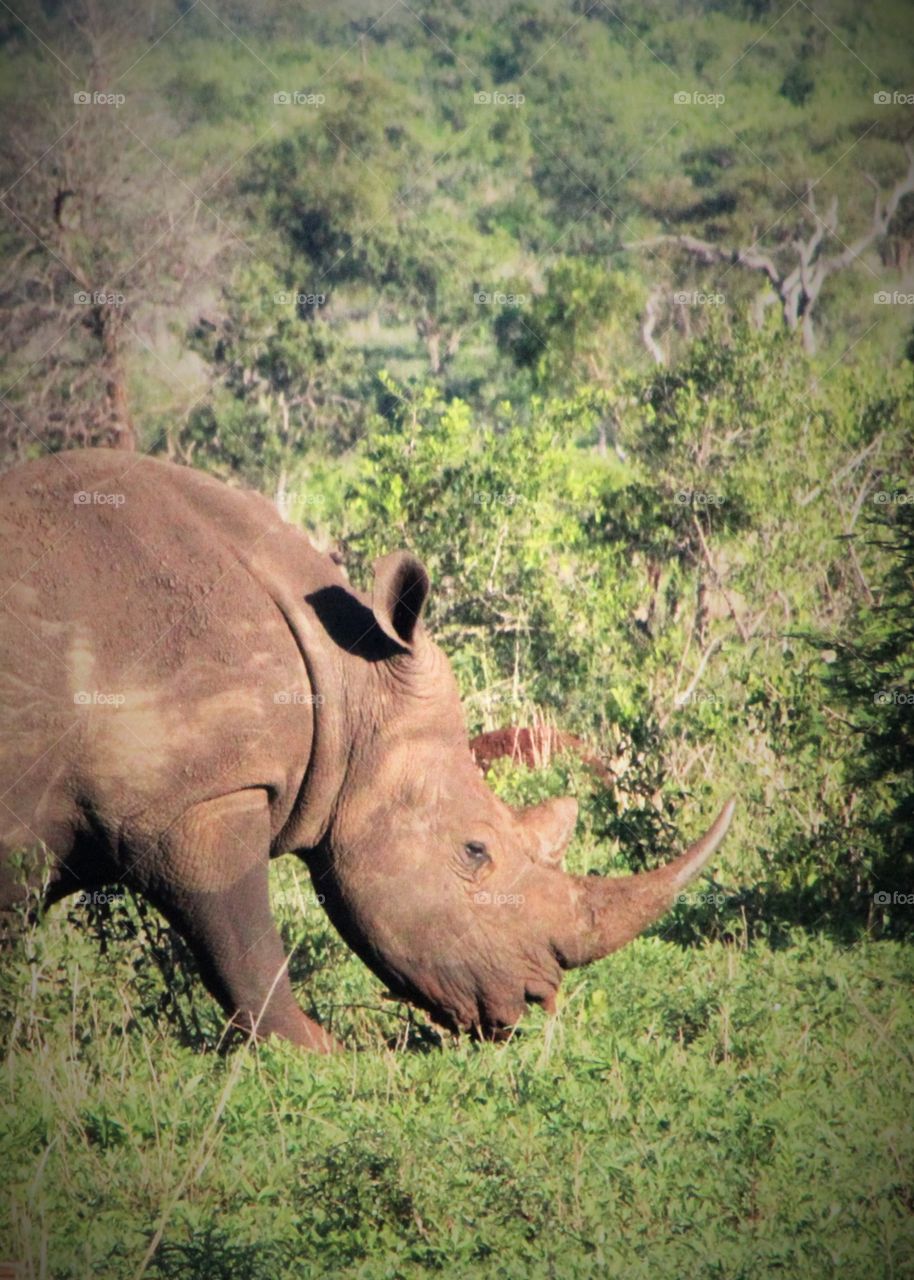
x,y
284,382
581,328
96,242
871,682
378,216
797,269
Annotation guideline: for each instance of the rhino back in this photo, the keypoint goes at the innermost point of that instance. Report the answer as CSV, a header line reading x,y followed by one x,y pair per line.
x,y
145,665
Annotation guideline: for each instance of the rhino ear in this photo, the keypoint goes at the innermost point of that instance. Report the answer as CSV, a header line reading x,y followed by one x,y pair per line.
x,y
551,824
401,588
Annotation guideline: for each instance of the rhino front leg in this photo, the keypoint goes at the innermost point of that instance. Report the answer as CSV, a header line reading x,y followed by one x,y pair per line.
x,y
210,880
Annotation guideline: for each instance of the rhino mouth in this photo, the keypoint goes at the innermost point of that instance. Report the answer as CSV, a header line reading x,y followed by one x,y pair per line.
x,y
451,1016
483,1019
479,1026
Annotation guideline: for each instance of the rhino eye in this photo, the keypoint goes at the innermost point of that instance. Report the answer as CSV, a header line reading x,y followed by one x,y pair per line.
x,y
476,852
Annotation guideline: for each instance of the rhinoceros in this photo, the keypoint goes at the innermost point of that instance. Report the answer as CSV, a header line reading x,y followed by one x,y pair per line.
x,y
190,688
535,746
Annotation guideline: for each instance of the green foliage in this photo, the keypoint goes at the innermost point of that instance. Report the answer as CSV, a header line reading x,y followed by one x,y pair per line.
x,y
387,222
798,84
871,679
344,225
575,331
715,1111
402,198
511,570
286,382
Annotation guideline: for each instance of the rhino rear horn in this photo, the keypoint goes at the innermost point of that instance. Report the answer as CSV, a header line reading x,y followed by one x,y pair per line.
x,y
550,826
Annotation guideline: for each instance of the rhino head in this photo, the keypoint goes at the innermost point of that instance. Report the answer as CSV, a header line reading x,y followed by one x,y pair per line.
x,y
456,900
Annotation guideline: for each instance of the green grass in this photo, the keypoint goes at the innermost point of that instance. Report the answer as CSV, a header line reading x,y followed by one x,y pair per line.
x,y
715,1111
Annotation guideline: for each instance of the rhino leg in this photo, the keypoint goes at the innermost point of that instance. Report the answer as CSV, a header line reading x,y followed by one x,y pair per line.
x,y
210,880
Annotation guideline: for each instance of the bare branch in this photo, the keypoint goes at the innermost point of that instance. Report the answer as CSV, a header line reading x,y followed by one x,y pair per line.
x,y
799,283
648,324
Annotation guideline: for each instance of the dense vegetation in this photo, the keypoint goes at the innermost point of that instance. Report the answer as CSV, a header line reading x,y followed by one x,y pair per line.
x,y
634,376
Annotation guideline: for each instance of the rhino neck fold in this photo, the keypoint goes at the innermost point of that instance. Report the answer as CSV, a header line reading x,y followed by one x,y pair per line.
x,y
312,813
324,771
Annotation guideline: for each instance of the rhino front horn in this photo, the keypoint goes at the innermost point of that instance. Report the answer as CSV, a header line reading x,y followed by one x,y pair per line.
x,y
608,912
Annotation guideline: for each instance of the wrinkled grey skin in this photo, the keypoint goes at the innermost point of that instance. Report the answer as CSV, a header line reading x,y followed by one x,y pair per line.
x,y
189,689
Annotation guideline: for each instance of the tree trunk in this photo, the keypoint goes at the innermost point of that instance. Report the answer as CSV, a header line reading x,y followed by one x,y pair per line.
x,y
123,434
433,347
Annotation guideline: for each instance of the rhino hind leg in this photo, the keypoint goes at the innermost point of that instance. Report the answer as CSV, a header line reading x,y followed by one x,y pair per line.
x,y
212,885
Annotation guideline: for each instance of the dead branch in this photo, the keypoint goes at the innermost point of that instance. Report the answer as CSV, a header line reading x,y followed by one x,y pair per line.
x,y
797,281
